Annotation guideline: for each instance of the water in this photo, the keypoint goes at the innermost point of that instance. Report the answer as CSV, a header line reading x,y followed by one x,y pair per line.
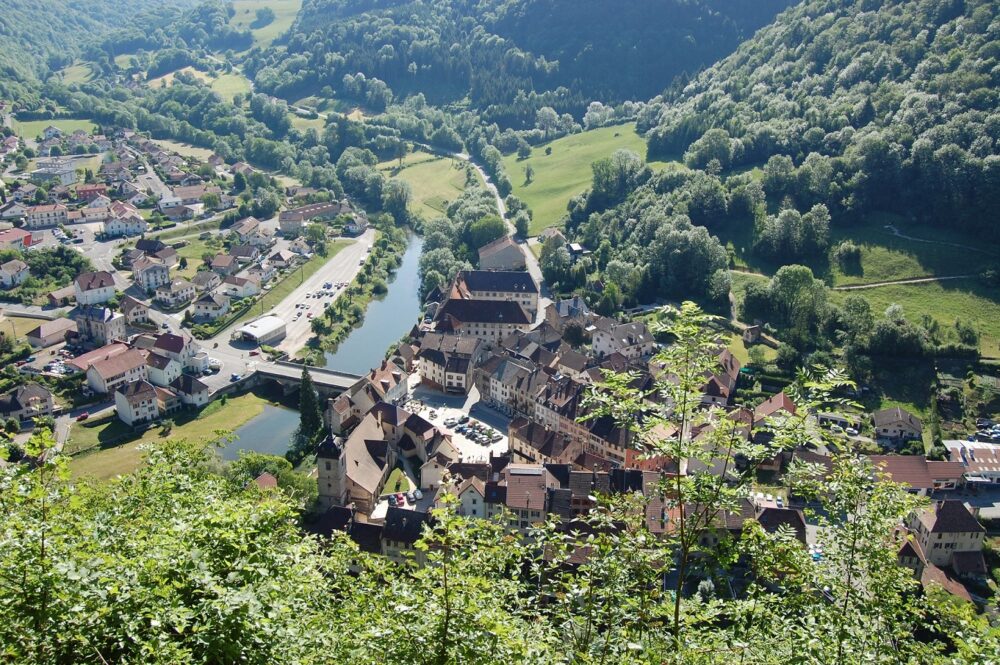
x,y
386,320
269,433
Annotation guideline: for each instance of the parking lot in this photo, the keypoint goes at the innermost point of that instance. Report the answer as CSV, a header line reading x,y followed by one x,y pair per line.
x,y
446,413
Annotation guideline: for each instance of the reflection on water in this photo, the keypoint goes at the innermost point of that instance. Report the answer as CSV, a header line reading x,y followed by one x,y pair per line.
x,y
386,320
269,433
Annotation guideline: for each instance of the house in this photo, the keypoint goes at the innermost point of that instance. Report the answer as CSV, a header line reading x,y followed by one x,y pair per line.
x,y
98,325
211,306
15,239
176,293
13,273
55,171
502,285
752,334
193,194
42,216
492,320
551,232
150,246
300,247
471,495
281,259
179,347
291,222
633,339
897,424
191,390
262,273
386,383
162,370
401,530
919,474
149,273
949,535
224,264
82,362
167,256
130,224
206,280
89,192
446,361
245,229
244,253
13,210
25,192
50,332
177,213
93,288
26,402
135,311
240,287
51,132
136,403
501,254
357,224
106,375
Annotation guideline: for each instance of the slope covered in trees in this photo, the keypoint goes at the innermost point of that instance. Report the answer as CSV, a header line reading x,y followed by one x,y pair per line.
x,y
507,57
858,105
39,36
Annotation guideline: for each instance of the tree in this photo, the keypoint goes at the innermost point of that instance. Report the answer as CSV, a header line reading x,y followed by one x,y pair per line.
x,y
211,201
239,182
529,174
485,230
547,120
522,222
523,149
311,417
396,196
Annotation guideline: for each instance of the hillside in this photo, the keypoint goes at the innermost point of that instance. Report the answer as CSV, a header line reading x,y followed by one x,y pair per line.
x,y
39,36
887,106
501,54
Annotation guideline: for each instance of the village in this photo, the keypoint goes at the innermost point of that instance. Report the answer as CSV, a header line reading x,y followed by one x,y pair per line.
x,y
483,402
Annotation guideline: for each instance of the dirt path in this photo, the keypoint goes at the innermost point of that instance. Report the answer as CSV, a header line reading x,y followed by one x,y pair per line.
x,y
893,282
892,230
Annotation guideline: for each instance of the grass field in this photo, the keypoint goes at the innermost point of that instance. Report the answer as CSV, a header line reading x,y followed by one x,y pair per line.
x,y
434,181
291,282
168,79
229,85
284,14
22,325
112,458
192,252
124,60
78,72
302,124
184,149
566,172
965,299
33,128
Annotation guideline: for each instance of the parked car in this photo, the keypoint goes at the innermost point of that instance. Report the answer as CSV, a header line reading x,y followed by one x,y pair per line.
x,y
83,416
234,377
418,495
463,419
400,498
411,497
392,500
850,431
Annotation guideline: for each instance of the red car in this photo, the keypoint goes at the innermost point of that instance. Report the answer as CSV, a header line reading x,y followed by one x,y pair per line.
x,y
255,353
400,499
83,416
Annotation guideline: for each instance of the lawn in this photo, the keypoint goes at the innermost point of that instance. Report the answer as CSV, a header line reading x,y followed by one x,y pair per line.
x,y
22,325
114,458
397,481
246,14
566,172
302,124
78,72
229,85
742,353
33,128
193,252
124,60
434,181
292,281
965,299
168,79
184,149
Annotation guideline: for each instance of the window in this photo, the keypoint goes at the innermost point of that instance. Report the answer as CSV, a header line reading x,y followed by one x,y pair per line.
x,y
328,465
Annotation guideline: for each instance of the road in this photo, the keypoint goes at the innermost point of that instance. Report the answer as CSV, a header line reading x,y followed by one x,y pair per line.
x,y
892,282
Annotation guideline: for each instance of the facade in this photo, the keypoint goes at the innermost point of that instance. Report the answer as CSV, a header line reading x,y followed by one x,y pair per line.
x,y
206,280
446,361
240,287
633,340
897,424
26,402
176,293
191,390
13,273
150,273
94,288
386,383
500,285
490,320
266,330
135,311
40,217
50,332
501,254
162,370
949,535
99,325
136,403
15,239
125,226
211,306
107,375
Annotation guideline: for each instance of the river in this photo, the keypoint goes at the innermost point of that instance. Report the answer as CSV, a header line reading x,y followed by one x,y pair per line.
x,y
386,320
270,432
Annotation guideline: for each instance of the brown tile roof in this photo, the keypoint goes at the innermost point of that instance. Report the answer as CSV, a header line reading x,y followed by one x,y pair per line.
x,y
120,364
89,281
915,470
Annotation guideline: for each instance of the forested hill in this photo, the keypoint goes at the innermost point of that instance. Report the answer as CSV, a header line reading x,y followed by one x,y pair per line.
x,y
880,105
39,36
508,57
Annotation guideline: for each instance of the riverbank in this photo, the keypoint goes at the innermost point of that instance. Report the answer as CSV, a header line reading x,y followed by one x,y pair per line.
x,y
105,448
349,311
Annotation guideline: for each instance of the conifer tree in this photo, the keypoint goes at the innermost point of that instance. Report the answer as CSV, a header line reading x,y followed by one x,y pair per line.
x,y
311,419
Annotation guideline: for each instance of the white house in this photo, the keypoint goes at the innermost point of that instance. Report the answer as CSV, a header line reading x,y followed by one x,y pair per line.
x,y
211,306
162,370
105,376
13,273
150,273
175,293
136,403
92,288
127,225
240,287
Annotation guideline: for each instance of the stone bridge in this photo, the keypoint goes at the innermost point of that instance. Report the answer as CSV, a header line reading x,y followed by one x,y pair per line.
x,y
328,382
